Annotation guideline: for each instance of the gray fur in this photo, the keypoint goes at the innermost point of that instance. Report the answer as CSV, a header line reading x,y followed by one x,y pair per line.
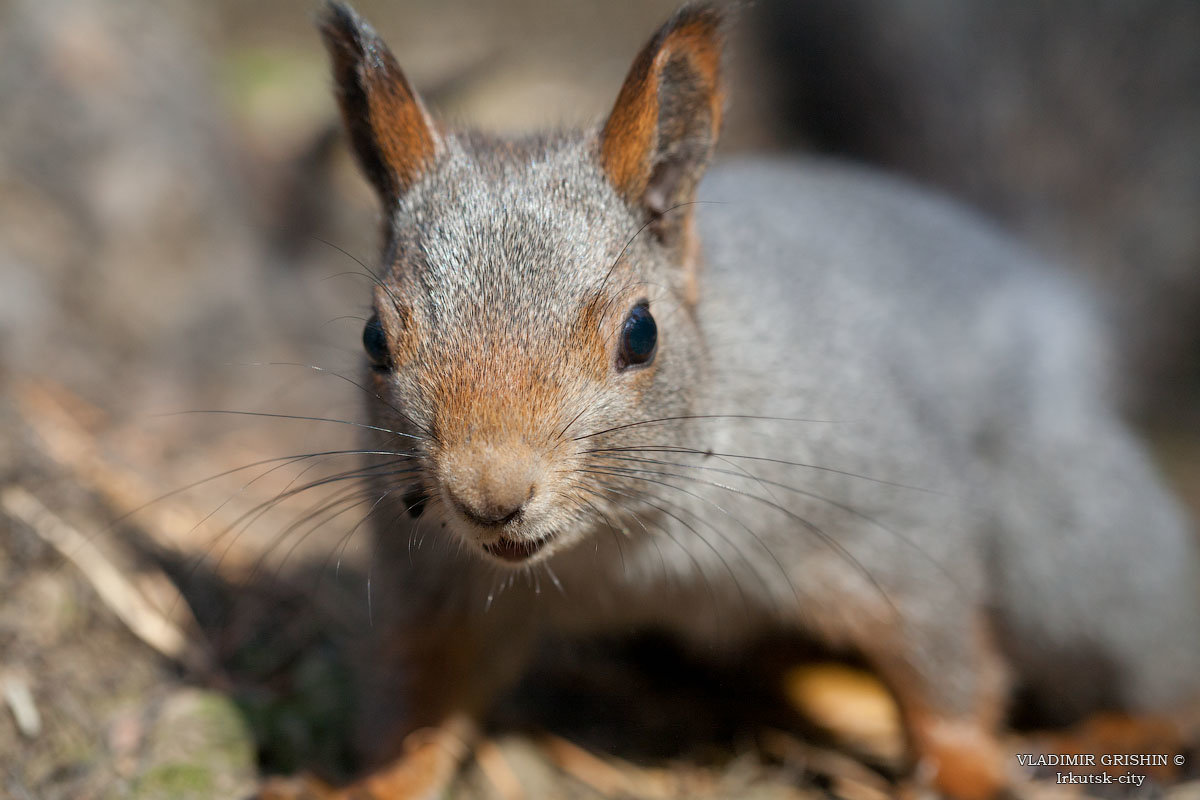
x,y
981,373
943,398
928,350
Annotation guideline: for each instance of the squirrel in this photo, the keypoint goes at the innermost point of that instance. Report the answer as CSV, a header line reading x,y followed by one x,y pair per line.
x,y
796,396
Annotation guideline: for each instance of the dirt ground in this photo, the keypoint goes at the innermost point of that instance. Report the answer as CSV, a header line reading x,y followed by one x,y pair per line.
x,y
179,235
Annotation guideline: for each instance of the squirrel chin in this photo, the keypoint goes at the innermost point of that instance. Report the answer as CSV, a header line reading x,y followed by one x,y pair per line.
x,y
516,551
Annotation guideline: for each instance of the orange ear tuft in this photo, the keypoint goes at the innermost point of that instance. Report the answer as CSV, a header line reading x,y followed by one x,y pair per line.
x,y
389,129
661,133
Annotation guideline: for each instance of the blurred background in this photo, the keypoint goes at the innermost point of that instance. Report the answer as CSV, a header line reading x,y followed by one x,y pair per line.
x,y
180,232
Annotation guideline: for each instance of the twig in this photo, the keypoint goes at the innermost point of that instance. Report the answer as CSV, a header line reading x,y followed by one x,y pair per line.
x,y
52,412
20,702
850,775
498,772
113,588
603,776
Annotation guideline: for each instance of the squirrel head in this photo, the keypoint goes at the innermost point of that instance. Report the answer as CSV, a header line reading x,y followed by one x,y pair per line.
x,y
537,296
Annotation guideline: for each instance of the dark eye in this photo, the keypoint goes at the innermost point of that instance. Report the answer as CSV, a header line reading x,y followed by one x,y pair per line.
x,y
639,338
375,343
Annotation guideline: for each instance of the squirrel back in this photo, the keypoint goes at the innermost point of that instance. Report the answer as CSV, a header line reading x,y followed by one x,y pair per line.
x,y
964,364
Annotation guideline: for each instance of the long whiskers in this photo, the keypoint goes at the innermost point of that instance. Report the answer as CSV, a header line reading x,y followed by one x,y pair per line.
x,y
367,271
295,417
766,482
685,417
824,536
753,534
732,543
613,488
765,459
370,392
247,519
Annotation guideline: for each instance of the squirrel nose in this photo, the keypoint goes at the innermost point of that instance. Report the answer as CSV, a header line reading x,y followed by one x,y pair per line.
x,y
492,515
490,486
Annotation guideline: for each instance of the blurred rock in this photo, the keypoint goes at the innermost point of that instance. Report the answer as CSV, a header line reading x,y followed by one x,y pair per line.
x,y
198,748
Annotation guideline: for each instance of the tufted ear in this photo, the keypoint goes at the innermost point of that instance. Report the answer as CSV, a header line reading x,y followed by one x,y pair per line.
x,y
389,129
661,133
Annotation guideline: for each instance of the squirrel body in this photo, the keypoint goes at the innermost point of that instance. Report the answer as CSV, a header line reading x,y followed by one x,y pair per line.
x,y
856,412
952,360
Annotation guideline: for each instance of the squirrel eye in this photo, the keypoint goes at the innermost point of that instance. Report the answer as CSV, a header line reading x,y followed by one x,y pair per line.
x,y
639,338
375,343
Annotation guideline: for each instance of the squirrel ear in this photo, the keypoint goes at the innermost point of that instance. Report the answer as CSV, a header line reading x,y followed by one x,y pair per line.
x,y
389,129
661,133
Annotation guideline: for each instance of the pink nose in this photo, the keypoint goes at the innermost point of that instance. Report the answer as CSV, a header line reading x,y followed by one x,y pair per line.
x,y
490,485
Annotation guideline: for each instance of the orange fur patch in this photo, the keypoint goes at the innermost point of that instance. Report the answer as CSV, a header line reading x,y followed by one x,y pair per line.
x,y
390,132
401,126
967,760
498,393
630,135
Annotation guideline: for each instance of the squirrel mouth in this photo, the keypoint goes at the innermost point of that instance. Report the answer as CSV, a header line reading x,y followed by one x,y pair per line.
x,y
512,551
